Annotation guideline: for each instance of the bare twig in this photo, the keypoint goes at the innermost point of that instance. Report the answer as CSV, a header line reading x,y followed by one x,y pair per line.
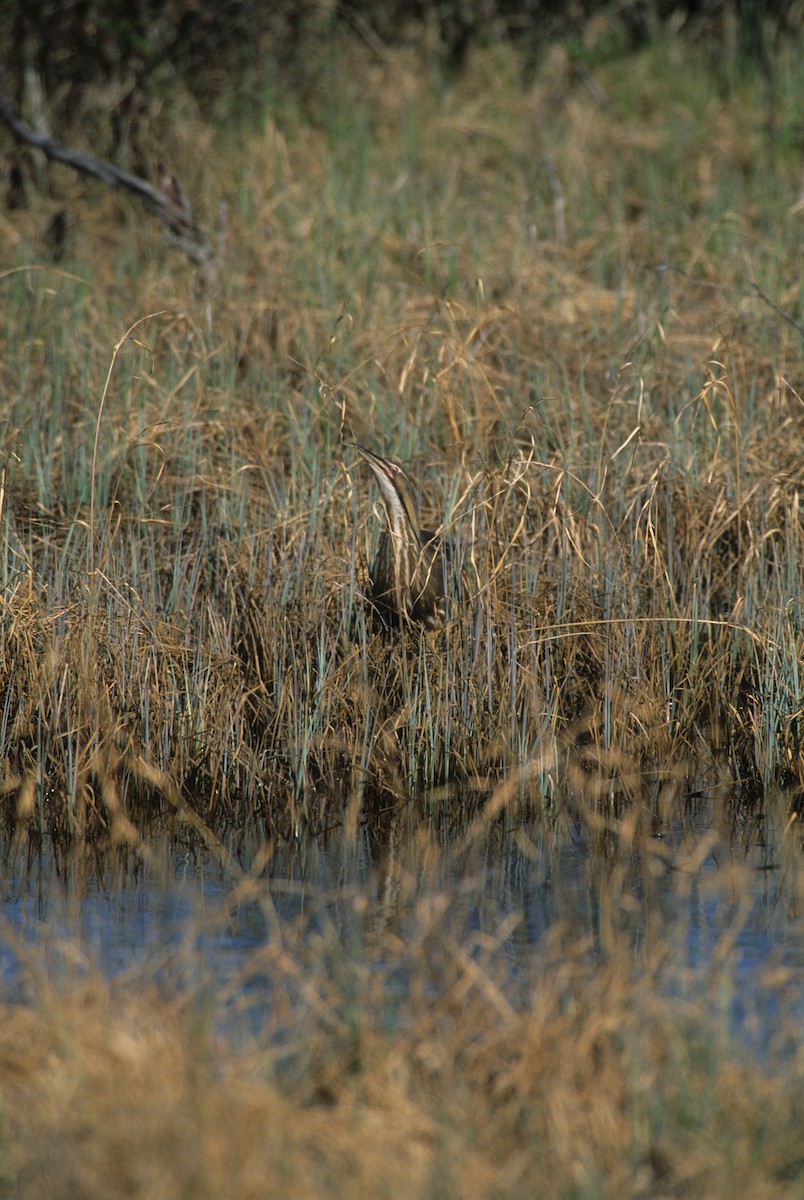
x,y
592,86
756,290
558,195
169,205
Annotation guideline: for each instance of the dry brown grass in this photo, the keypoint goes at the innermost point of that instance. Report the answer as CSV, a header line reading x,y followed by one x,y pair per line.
x,y
615,449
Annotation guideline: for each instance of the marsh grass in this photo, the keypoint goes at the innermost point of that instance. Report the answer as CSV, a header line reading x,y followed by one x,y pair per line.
x,y
604,417
574,313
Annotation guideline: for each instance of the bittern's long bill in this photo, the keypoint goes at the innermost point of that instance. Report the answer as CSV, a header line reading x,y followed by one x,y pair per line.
x,y
407,574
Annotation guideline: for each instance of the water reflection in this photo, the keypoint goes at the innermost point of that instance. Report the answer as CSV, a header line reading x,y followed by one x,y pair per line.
x,y
182,920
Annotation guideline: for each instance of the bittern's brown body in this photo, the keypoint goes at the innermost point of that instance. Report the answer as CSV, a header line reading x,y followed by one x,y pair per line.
x,y
407,573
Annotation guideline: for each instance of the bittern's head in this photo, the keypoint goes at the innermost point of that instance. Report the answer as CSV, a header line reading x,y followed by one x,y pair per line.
x,y
397,492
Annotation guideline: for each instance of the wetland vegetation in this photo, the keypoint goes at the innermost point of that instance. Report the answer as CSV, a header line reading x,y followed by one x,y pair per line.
x,y
566,294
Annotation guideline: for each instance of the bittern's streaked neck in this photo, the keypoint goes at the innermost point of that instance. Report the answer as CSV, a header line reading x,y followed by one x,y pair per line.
x,y
406,579
396,488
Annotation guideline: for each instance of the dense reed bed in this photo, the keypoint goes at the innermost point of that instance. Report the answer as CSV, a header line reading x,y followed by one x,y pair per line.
x,y
573,311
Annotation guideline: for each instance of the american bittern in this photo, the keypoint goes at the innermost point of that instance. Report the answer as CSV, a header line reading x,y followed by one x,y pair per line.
x,y
407,573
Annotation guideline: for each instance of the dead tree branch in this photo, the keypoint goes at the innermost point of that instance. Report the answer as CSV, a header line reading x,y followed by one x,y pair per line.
x,y
169,205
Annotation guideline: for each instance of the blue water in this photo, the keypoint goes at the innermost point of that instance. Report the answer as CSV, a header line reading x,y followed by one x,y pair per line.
x,y
182,921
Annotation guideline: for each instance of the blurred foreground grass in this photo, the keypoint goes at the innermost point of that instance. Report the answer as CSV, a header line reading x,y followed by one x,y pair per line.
x,y
366,1050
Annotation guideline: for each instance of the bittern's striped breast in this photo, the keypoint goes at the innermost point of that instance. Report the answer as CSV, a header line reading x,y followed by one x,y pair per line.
x,y
407,573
